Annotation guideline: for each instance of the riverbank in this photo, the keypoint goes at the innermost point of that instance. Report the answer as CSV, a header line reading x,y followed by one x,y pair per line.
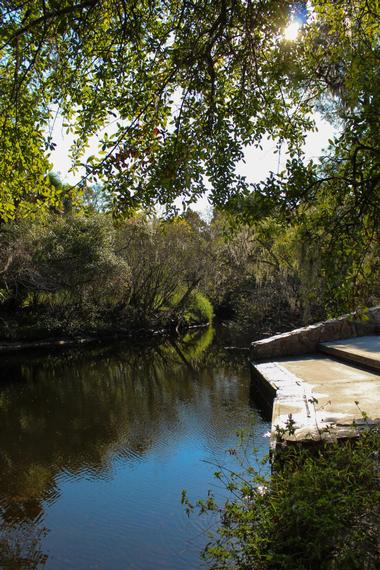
x,y
116,335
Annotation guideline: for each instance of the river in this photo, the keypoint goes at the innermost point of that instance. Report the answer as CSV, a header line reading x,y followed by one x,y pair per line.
x,y
97,443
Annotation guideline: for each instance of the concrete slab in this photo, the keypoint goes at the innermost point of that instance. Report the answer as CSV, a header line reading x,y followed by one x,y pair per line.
x,y
364,350
323,396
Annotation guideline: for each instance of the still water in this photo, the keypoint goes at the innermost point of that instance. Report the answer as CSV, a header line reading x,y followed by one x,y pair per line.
x,y
97,444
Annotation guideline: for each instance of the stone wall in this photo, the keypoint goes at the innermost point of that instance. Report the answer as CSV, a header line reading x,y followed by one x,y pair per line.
x,y
306,339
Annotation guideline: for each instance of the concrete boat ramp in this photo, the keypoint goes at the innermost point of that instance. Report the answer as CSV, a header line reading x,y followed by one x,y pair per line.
x,y
332,393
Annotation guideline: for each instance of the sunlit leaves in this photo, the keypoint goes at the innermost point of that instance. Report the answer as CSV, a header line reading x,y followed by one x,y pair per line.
x,y
190,84
175,91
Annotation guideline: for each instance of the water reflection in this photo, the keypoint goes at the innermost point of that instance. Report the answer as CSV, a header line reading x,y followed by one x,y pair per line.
x,y
117,427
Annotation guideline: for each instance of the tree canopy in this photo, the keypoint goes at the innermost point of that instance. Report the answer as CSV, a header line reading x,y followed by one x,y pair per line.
x,y
186,85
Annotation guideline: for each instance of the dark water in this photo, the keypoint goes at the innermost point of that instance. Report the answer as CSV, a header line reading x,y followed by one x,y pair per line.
x,y
97,444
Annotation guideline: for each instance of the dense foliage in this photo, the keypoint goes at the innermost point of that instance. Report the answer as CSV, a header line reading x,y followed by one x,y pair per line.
x,y
319,511
80,273
176,91
84,274
189,86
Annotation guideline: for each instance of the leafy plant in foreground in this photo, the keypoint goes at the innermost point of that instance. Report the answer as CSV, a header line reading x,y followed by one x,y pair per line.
x,y
320,510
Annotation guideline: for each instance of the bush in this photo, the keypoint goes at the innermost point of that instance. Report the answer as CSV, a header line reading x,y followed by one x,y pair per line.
x,y
320,511
199,308
61,275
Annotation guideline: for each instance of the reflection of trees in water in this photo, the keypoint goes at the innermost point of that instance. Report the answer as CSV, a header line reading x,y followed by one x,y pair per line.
x,y
20,546
75,411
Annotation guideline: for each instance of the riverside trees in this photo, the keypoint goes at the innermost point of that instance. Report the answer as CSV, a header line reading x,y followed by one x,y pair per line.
x,y
89,274
187,86
78,274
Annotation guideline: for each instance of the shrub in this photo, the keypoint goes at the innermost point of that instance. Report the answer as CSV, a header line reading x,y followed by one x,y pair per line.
x,y
199,308
62,273
320,511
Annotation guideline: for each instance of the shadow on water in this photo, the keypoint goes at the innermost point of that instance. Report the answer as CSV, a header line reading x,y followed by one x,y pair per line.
x,y
106,418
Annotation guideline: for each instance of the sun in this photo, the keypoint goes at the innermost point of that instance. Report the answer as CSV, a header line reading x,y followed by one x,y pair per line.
x,y
292,30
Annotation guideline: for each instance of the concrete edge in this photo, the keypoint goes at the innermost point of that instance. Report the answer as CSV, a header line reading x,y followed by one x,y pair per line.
x,y
287,395
366,361
281,390
305,340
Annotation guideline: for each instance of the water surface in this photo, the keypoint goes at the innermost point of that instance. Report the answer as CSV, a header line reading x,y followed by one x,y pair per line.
x,y
97,444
